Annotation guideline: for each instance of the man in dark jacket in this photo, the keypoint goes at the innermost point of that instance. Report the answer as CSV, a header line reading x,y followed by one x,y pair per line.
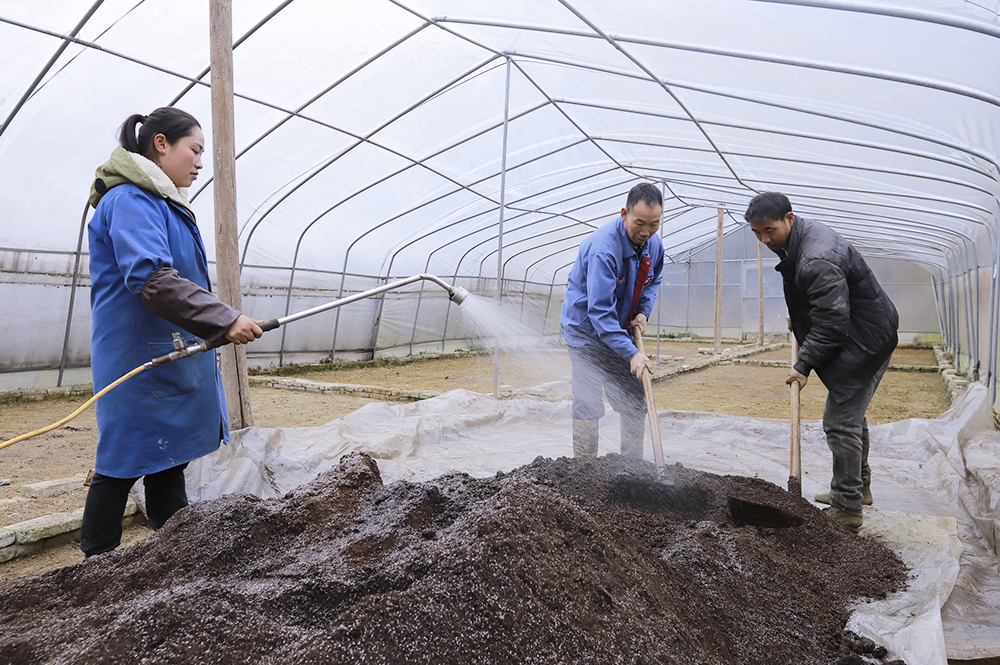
x,y
846,327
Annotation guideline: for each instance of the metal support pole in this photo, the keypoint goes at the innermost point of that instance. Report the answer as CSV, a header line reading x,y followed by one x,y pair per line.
x,y
420,297
72,295
227,256
447,313
548,303
939,309
991,362
503,192
718,285
956,341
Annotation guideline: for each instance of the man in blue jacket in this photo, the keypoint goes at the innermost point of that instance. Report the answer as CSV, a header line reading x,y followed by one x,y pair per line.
x,y
611,289
846,327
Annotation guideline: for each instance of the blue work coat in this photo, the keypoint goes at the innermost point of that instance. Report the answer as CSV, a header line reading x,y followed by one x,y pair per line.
x,y
166,415
601,287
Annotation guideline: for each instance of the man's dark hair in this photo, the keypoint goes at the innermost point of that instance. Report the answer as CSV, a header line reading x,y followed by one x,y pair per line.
x,y
173,123
645,192
768,205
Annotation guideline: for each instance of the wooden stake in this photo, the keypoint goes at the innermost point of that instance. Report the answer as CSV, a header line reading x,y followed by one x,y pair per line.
x,y
233,357
795,463
760,296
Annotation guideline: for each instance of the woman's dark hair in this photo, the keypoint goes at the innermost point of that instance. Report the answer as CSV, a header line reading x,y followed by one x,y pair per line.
x,y
173,123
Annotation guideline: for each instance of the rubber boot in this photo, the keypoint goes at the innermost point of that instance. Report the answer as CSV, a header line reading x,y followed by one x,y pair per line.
x,y
843,517
633,430
585,435
866,497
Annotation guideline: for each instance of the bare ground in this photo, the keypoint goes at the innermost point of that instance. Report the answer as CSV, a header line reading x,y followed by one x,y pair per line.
x,y
734,389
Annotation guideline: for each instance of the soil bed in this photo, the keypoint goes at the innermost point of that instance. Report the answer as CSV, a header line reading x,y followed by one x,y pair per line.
x,y
582,561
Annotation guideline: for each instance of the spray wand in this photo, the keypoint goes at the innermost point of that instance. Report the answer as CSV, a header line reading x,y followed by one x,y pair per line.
x,y
182,349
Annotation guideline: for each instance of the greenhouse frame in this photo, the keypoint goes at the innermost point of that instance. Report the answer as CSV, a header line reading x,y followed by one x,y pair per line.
x,y
483,141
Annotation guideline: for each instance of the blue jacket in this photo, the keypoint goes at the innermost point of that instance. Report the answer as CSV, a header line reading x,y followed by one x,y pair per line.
x,y
167,415
601,286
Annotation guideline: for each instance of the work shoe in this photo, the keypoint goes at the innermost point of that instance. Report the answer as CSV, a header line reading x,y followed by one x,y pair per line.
x,y
866,497
843,517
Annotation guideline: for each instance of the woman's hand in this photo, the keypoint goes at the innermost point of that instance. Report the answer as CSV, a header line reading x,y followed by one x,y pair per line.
x,y
243,330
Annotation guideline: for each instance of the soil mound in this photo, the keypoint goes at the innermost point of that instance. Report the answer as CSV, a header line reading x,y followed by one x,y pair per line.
x,y
560,561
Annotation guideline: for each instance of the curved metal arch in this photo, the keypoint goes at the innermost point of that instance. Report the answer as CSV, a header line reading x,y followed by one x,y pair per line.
x,y
66,41
246,35
538,235
616,40
895,12
296,113
615,195
547,216
663,84
367,139
571,121
804,135
909,209
511,206
527,58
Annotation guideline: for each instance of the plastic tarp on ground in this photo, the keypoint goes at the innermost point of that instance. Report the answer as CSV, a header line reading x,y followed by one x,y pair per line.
x,y
935,483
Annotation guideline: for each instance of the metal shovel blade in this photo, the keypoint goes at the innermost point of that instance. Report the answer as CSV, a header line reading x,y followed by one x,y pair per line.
x,y
756,514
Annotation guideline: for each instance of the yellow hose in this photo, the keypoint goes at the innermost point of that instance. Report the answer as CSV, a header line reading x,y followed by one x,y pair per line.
x,y
78,411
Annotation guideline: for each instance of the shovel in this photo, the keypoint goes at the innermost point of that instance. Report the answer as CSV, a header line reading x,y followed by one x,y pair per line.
x,y
757,514
654,422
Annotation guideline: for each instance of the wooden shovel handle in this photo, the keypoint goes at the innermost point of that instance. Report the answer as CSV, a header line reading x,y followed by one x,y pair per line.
x,y
795,463
654,421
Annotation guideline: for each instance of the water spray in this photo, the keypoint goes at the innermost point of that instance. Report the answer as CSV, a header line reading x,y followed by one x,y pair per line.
x,y
182,349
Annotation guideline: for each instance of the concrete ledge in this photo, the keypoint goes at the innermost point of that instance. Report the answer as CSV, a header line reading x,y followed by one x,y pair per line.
x,y
49,488
700,361
33,536
374,392
787,363
37,394
954,381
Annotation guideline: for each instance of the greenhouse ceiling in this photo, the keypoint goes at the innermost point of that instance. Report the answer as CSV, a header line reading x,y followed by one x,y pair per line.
x,y
371,136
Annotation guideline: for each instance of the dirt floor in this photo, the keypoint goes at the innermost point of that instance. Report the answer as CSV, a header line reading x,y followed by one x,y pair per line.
x,y
621,566
733,389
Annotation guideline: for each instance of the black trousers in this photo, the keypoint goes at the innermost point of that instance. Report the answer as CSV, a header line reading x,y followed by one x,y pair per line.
x,y
101,530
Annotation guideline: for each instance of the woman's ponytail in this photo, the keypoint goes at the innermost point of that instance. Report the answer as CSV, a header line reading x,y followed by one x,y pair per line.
x,y
127,134
173,123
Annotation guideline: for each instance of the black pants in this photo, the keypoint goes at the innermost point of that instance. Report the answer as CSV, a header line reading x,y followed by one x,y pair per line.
x,y
101,530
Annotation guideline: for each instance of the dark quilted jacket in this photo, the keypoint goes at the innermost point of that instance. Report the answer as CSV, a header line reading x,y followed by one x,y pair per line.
x,y
844,322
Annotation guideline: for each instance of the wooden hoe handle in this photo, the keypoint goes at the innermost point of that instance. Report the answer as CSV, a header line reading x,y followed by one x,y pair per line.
x,y
654,421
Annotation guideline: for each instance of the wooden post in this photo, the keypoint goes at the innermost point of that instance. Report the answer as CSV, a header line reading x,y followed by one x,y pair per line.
x,y
227,262
718,286
760,295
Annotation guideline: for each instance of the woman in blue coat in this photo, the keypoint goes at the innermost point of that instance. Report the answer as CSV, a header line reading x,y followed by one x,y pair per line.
x,y
149,276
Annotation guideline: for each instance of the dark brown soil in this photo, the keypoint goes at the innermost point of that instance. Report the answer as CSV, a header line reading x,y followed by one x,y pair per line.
x,y
561,561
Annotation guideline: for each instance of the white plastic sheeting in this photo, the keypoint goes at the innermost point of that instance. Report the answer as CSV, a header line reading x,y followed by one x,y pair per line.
x,y
934,483
369,141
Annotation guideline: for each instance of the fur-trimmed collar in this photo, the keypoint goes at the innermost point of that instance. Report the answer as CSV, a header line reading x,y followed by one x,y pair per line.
x,y
164,185
129,167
